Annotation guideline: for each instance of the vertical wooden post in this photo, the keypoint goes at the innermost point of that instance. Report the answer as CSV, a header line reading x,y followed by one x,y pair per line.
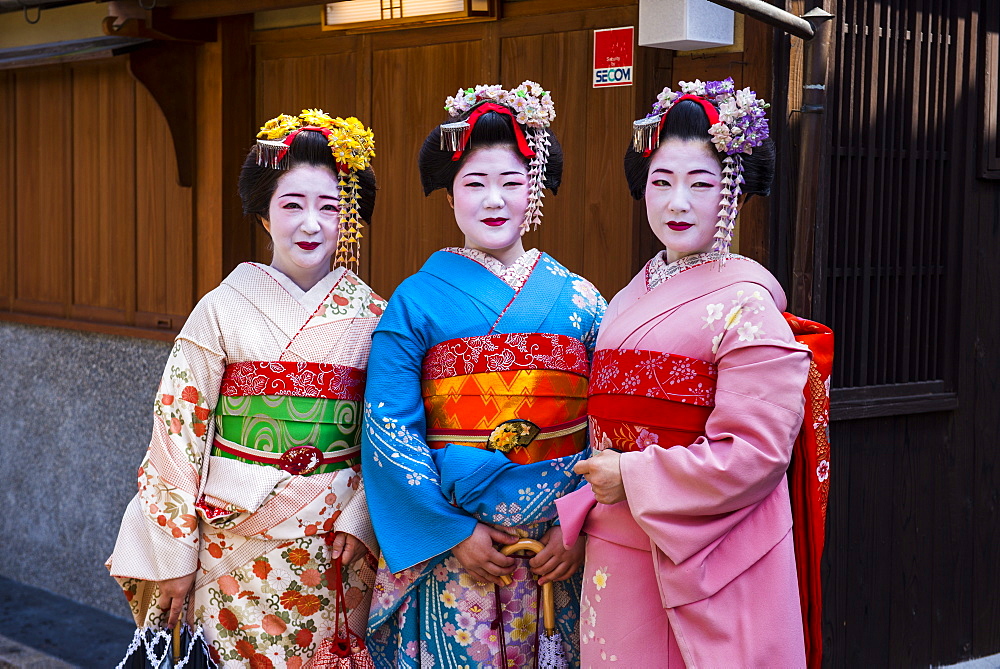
x,y
810,192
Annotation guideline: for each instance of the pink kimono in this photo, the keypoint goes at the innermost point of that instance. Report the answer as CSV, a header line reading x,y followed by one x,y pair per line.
x,y
698,381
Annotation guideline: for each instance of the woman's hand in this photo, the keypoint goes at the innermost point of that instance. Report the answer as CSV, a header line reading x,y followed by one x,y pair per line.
x,y
173,593
347,547
555,562
481,558
604,474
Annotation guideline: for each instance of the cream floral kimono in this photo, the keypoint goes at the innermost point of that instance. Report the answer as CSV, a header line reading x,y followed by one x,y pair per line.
x,y
229,508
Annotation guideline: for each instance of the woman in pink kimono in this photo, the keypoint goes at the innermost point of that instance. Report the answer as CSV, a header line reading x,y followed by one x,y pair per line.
x,y
251,509
695,400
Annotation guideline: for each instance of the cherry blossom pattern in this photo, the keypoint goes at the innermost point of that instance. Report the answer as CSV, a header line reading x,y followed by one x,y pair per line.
x,y
473,355
745,305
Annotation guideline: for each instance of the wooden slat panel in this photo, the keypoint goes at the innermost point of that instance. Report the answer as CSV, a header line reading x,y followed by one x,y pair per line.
x,y
44,187
889,237
861,580
103,191
407,227
165,231
588,223
985,420
7,191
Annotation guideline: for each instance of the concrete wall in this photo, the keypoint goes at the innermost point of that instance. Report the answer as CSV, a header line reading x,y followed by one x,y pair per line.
x,y
75,420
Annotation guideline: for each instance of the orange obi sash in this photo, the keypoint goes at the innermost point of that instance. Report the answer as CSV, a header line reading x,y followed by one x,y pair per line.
x,y
473,384
638,398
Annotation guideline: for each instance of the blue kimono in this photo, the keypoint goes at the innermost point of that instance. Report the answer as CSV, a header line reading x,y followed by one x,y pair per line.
x,y
425,497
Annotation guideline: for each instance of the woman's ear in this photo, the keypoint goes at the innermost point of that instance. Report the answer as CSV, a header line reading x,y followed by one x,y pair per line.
x,y
451,201
266,223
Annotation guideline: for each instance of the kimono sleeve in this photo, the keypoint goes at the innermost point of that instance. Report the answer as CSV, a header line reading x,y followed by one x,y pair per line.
x,y
686,496
413,520
159,535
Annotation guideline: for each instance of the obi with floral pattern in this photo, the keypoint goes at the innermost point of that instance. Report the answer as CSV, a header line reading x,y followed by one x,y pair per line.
x,y
639,398
472,385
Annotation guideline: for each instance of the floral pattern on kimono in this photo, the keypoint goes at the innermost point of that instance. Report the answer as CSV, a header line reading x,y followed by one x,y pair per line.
x,y
705,528
426,610
254,535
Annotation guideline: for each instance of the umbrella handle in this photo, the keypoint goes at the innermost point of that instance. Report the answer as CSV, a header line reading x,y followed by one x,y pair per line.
x,y
548,597
177,639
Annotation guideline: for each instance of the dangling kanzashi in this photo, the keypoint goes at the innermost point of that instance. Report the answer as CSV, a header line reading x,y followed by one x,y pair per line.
x,y
352,146
742,125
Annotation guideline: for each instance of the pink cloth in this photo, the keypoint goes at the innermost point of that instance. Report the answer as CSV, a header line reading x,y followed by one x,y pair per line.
x,y
712,516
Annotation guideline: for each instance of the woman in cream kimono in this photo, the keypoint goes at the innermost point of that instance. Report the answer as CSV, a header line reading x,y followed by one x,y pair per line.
x,y
250,493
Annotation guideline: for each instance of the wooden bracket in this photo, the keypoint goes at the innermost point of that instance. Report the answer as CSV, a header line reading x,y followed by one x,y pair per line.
x,y
167,71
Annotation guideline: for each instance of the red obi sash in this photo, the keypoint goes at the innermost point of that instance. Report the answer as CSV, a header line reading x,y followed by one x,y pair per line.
x,y
638,398
472,384
299,379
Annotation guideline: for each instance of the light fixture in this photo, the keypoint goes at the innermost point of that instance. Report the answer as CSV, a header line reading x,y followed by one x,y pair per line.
x,y
684,25
365,15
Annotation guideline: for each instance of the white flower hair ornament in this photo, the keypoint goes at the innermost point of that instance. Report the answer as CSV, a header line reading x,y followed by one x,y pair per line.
x,y
530,108
352,146
737,124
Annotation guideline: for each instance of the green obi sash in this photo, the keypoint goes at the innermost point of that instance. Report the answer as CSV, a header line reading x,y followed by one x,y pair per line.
x,y
311,422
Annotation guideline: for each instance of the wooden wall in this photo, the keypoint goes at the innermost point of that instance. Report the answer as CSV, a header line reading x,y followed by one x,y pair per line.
x,y
100,236
95,226
396,82
96,233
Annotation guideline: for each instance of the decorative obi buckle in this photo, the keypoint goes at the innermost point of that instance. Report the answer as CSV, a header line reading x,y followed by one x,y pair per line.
x,y
301,460
511,434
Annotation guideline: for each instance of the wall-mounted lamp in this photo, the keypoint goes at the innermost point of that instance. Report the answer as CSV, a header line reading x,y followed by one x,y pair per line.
x,y
366,15
684,25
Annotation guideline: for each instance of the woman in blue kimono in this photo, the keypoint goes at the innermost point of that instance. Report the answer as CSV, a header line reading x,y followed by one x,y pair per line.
x,y
476,405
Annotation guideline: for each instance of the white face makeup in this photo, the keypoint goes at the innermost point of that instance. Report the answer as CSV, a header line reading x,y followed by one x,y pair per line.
x,y
490,196
304,223
683,196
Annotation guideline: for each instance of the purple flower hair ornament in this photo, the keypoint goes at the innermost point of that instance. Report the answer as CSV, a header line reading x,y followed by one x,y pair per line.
x,y
737,124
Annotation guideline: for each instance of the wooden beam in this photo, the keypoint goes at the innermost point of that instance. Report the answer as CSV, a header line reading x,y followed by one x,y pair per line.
x,y
203,9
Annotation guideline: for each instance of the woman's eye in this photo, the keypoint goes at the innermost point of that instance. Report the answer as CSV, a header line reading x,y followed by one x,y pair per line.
x,y
514,183
702,184
291,205
330,207
661,182
473,184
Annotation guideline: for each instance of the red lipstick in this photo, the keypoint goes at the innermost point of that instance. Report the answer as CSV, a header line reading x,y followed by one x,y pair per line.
x,y
494,222
308,246
678,226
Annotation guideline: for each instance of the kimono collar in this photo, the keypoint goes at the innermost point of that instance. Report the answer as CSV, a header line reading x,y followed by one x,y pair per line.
x,y
658,269
514,275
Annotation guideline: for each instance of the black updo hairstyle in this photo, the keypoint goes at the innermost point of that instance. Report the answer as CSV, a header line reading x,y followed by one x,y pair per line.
x,y
438,170
257,183
687,120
